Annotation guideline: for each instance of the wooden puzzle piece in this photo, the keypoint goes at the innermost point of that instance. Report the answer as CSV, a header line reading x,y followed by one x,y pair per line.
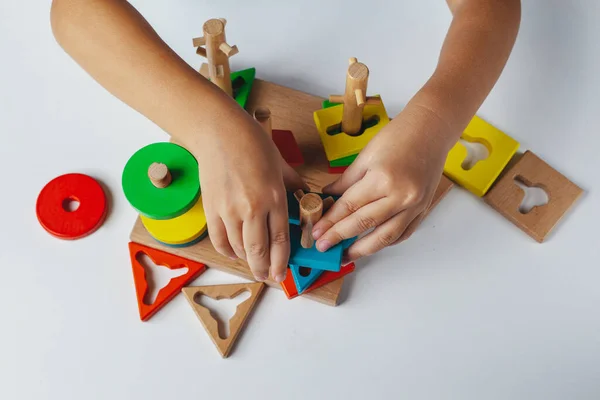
x,y
343,162
340,145
167,293
179,230
291,291
304,276
203,236
217,53
336,170
482,175
506,196
329,260
147,191
284,140
53,206
355,97
236,323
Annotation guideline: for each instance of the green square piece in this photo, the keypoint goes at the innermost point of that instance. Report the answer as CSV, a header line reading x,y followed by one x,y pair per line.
x,y
344,161
327,104
243,92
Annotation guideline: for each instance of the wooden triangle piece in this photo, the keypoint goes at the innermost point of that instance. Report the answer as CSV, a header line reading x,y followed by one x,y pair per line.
x,y
167,293
236,322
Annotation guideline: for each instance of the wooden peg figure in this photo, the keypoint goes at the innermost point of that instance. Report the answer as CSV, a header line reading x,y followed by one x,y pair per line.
x,y
217,53
355,97
262,115
312,207
159,175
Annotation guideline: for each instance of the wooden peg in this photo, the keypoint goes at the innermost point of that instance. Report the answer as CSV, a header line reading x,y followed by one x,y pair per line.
x,y
159,175
199,41
327,203
299,194
354,98
262,115
217,53
311,210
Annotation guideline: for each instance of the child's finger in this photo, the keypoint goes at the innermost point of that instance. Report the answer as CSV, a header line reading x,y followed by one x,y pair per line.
x,y
234,235
383,236
279,238
218,236
358,195
352,175
256,246
368,217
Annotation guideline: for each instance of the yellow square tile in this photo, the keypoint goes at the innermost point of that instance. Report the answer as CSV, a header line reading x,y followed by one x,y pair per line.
x,y
342,145
482,175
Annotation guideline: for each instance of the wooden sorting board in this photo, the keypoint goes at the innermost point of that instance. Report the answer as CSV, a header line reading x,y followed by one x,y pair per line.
x,y
290,110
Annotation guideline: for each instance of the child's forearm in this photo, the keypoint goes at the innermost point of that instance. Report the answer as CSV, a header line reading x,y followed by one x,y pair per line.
x,y
475,51
112,42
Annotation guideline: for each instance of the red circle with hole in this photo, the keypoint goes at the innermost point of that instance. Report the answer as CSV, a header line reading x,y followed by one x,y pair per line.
x,y
71,206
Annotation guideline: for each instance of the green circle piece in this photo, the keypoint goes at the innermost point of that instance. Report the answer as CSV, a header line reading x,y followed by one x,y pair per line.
x,y
172,201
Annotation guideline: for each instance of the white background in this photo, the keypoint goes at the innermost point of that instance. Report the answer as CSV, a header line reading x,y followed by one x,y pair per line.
x,y
469,308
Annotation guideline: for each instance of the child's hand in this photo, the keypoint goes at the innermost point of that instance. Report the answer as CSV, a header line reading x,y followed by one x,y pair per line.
x,y
388,187
243,179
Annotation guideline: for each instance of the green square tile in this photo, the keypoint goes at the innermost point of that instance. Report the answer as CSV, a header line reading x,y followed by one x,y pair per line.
x,y
343,162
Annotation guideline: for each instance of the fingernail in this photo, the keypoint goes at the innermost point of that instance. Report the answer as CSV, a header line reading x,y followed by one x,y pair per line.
x,y
280,278
317,233
323,245
260,278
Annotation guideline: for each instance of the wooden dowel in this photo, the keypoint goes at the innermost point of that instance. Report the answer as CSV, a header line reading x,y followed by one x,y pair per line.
x,y
336,98
262,115
360,97
311,211
373,100
199,41
218,59
159,175
327,203
354,97
299,194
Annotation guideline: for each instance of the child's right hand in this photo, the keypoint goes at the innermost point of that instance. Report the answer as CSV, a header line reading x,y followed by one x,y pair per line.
x,y
243,179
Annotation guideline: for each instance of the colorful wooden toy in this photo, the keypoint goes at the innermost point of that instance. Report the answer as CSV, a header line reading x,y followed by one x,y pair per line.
x,y
289,286
157,194
168,292
343,162
304,276
180,230
311,206
241,82
54,214
236,323
505,196
329,260
336,170
483,174
217,53
339,144
188,244
284,140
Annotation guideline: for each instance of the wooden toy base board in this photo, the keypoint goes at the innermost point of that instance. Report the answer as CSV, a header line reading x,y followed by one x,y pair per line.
x,y
290,110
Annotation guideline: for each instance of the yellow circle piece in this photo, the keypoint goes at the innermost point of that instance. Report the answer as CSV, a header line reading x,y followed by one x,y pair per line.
x,y
180,230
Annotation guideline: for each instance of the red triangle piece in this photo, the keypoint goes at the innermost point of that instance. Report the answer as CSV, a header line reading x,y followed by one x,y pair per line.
x,y
174,287
289,287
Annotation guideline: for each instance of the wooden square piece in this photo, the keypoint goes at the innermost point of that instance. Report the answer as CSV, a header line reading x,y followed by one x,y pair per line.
x,y
506,197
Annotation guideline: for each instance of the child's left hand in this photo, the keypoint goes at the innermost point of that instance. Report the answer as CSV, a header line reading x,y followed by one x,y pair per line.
x,y
389,186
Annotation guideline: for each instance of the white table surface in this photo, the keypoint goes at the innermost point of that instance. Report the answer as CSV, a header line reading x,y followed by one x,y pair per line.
x,y
469,308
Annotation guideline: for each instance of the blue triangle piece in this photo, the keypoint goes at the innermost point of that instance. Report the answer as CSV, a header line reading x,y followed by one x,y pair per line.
x,y
303,282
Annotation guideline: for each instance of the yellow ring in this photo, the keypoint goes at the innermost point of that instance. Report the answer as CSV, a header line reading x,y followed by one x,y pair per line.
x,y
180,230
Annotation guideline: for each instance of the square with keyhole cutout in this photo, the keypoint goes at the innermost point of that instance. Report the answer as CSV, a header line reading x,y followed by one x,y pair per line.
x,y
506,196
480,177
339,144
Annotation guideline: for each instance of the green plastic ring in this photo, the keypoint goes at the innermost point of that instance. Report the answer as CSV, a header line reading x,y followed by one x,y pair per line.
x,y
162,203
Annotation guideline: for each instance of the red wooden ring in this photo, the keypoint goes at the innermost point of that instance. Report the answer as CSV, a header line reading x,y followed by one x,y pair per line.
x,y
70,225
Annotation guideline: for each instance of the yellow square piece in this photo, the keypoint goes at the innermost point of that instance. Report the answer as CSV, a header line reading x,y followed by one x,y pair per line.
x,y
483,174
342,145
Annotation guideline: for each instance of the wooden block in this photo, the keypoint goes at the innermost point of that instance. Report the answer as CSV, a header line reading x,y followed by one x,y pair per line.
x,y
482,175
180,230
289,149
167,293
341,145
291,291
55,216
304,276
236,323
506,197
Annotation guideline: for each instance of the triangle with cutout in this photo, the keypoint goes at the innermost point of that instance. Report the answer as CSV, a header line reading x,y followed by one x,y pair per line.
x,y
236,323
304,276
174,286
